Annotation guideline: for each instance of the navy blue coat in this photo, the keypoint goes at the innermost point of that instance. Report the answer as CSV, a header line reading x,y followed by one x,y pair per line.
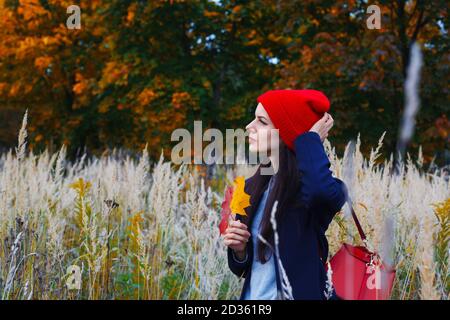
x,y
324,196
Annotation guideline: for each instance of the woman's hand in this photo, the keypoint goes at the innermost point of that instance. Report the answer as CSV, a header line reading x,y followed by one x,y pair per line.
x,y
322,126
236,236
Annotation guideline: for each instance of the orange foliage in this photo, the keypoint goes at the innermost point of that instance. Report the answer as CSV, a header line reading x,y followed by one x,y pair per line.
x,y
211,14
146,96
42,63
114,73
180,99
131,13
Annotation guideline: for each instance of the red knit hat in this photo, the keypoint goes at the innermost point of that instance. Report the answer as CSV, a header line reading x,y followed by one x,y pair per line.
x,y
294,112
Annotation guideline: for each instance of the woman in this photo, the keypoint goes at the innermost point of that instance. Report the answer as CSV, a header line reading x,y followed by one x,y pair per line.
x,y
290,126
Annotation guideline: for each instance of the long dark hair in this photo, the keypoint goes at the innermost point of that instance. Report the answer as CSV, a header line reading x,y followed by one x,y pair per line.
x,y
285,188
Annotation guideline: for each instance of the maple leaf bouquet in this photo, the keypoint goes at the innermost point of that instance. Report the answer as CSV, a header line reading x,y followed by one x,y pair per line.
x,y
235,201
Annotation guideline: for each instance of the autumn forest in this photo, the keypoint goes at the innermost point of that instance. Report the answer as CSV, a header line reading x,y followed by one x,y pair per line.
x,y
137,70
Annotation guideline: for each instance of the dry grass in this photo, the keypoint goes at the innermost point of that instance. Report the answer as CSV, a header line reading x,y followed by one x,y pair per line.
x,y
162,240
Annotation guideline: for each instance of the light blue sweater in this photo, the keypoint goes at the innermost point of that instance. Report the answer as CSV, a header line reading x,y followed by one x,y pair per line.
x,y
263,284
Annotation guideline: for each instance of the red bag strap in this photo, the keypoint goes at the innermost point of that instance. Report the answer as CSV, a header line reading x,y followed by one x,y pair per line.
x,y
355,218
358,226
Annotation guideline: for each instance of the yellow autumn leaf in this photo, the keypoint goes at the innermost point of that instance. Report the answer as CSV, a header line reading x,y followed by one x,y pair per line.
x,y
240,199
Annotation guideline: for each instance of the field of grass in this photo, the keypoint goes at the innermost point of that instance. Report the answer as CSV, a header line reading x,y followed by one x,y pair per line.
x,y
142,230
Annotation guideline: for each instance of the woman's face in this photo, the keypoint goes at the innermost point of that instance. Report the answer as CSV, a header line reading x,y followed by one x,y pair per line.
x,y
263,136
